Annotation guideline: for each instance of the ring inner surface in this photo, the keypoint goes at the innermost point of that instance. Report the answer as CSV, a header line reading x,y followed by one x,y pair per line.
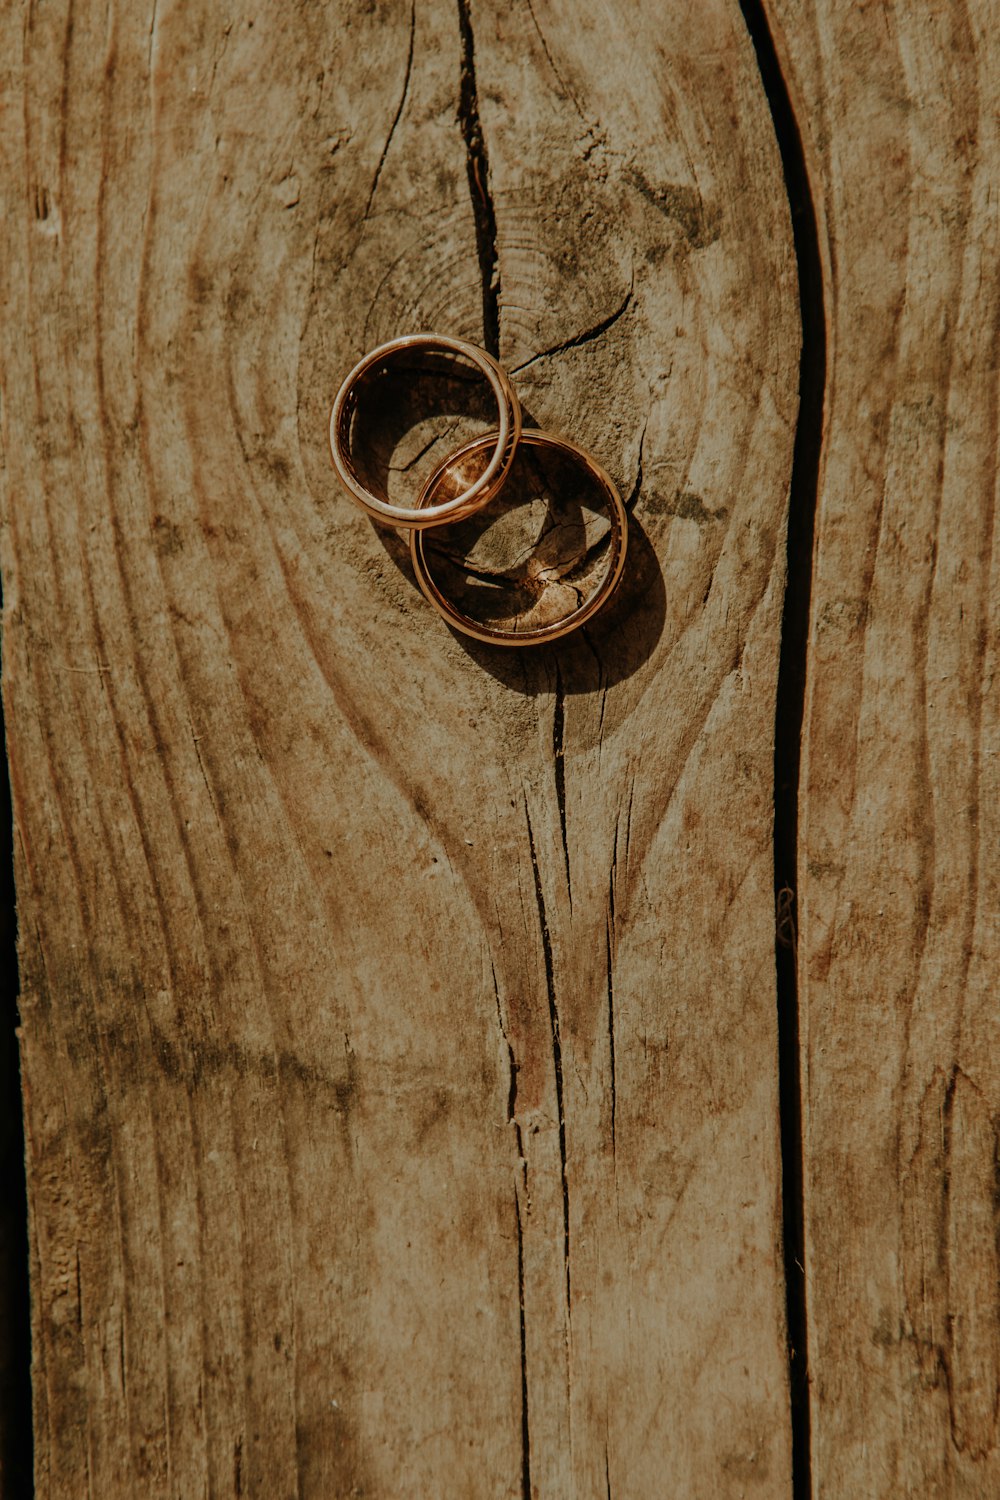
x,y
536,553
407,413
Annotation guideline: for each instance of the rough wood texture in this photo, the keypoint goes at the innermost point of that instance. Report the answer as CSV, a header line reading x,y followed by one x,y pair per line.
x,y
399,1021
900,854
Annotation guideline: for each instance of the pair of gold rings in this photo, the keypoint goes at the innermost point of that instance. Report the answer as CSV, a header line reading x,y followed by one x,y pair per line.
x,y
517,460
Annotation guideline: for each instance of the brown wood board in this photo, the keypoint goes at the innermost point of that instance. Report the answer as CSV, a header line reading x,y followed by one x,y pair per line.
x,y
898,108
399,1033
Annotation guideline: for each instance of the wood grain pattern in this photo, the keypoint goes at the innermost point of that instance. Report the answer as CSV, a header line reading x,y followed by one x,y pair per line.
x,y
899,859
399,1023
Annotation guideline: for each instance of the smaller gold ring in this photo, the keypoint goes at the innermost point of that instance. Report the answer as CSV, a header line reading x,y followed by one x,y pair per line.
x,y
531,437
481,490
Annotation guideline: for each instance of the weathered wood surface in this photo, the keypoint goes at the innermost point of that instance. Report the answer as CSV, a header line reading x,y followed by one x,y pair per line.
x,y
399,1023
900,851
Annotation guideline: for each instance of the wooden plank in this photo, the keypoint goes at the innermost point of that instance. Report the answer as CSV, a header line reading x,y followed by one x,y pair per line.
x,y
899,858
399,1022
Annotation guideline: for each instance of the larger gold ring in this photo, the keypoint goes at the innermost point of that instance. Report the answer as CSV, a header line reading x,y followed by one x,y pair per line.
x,y
587,608
481,487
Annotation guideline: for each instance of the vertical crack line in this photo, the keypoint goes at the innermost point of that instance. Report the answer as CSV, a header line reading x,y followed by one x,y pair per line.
x,y
567,92
790,720
16,1440
511,1060
525,1432
611,1030
946,1343
153,38
559,762
556,1052
478,167
399,110
636,490
610,936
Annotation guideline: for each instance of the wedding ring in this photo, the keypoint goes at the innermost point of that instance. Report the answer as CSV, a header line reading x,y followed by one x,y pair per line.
x,y
479,486
538,572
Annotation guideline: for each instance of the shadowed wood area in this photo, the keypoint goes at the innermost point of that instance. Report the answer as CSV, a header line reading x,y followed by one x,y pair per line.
x,y
899,867
398,1017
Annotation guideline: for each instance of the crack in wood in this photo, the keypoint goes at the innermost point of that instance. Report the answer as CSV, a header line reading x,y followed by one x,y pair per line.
x,y
611,1013
525,1429
789,718
511,1060
567,91
399,110
559,767
478,168
556,1054
636,489
16,1441
949,1257
587,336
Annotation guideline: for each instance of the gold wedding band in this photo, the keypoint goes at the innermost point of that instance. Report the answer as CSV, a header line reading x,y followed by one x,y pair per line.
x,y
443,478
480,487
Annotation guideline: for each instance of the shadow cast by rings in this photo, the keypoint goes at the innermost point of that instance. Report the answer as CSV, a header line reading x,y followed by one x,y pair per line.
x,y
608,649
